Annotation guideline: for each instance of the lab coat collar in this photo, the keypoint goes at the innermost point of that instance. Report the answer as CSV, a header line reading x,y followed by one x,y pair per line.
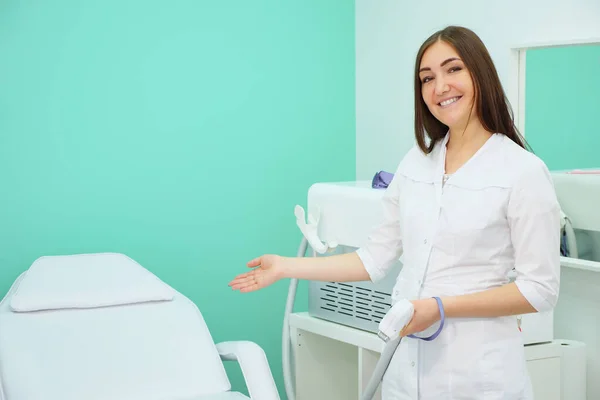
x,y
430,168
480,171
440,153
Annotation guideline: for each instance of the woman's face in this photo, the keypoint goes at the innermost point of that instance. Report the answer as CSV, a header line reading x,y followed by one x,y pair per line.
x,y
446,85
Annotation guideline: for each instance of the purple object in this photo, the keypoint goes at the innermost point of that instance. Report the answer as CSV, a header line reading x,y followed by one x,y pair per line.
x,y
381,180
443,320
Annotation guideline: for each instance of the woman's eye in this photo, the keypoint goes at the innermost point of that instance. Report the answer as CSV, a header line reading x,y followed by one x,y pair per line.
x,y
454,69
426,79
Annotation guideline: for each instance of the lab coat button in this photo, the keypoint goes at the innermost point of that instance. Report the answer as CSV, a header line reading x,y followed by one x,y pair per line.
x,y
425,241
412,364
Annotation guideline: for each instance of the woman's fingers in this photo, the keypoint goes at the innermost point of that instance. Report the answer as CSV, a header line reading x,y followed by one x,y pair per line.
x,y
243,280
254,262
248,281
249,288
244,275
244,285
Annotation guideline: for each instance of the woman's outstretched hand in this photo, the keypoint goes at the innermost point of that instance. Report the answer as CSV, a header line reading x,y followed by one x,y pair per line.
x,y
266,270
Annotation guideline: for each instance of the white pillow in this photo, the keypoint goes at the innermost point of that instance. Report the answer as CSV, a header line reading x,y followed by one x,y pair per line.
x,y
87,281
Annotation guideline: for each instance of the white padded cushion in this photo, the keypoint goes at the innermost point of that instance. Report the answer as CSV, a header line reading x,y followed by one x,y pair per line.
x,y
87,281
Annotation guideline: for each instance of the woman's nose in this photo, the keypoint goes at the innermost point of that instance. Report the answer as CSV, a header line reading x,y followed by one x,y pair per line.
x,y
441,86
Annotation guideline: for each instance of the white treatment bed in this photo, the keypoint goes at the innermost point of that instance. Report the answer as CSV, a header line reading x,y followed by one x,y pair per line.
x,y
102,327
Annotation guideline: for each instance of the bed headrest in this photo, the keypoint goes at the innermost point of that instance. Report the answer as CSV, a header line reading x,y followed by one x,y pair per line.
x,y
87,281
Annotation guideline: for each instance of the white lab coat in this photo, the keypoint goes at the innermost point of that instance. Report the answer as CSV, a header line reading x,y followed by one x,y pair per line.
x,y
499,211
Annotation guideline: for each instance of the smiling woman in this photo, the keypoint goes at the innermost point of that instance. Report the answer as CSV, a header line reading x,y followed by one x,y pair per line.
x,y
454,77
493,210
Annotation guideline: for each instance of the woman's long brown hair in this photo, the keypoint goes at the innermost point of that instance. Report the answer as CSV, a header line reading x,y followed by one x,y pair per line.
x,y
492,106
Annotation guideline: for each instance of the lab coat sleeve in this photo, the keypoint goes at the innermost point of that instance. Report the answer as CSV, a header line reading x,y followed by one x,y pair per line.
x,y
534,218
384,243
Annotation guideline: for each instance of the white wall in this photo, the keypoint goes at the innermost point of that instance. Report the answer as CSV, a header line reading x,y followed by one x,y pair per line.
x,y
389,33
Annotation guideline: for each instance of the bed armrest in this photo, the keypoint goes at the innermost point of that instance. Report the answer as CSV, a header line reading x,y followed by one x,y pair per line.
x,y
255,368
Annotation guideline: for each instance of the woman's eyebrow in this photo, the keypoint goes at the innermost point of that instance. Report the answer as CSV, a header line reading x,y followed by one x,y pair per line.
x,y
442,64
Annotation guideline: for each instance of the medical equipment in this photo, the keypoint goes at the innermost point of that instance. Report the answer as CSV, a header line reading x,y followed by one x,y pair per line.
x,y
339,217
578,194
102,327
390,327
396,319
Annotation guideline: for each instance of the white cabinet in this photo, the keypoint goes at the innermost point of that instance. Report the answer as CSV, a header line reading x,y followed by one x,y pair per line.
x,y
333,361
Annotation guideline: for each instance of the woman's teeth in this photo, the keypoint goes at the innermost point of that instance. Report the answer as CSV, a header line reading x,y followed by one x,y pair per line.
x,y
449,101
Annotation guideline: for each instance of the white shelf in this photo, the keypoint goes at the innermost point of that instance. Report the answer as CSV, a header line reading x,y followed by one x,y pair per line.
x,y
577,263
342,333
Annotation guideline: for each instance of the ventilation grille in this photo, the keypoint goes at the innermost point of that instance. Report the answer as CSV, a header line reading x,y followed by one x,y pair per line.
x,y
353,301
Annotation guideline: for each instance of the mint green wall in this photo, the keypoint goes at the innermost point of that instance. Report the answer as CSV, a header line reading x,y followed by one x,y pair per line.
x,y
181,133
562,105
